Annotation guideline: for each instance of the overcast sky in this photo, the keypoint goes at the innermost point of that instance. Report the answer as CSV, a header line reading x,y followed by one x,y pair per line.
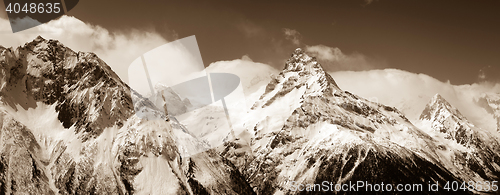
x,y
448,40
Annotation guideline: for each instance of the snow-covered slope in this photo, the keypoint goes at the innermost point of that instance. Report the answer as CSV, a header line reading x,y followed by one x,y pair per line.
x,y
69,126
305,129
474,149
444,118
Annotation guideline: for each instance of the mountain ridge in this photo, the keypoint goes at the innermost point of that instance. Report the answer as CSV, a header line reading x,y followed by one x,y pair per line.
x,y
84,134
47,71
69,125
304,121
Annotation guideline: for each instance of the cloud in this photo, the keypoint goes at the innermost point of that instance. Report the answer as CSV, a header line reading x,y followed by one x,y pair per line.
x,y
410,92
489,74
254,76
293,36
117,48
368,2
333,59
250,29
170,64
246,58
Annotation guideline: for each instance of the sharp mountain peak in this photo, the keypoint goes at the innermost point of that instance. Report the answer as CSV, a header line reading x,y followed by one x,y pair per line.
x,y
307,65
439,106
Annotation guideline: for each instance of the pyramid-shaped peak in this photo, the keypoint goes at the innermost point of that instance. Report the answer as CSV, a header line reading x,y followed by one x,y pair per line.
x,y
438,98
300,61
39,38
301,71
306,67
439,101
438,107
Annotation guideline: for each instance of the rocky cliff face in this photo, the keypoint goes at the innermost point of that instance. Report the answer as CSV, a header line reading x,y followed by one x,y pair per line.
x,y
69,127
20,168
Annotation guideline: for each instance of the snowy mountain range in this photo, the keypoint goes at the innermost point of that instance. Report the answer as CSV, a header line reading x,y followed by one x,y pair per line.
x,y
307,130
69,126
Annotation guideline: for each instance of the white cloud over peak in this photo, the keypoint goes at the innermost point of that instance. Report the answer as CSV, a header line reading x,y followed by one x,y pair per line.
x,y
250,29
411,92
489,74
246,58
254,76
251,73
333,59
117,48
292,35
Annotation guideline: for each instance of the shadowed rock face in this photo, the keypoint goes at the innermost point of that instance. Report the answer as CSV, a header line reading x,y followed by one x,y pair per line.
x,y
20,170
92,142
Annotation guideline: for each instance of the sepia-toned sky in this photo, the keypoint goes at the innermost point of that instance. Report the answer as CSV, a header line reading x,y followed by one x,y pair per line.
x,y
450,40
